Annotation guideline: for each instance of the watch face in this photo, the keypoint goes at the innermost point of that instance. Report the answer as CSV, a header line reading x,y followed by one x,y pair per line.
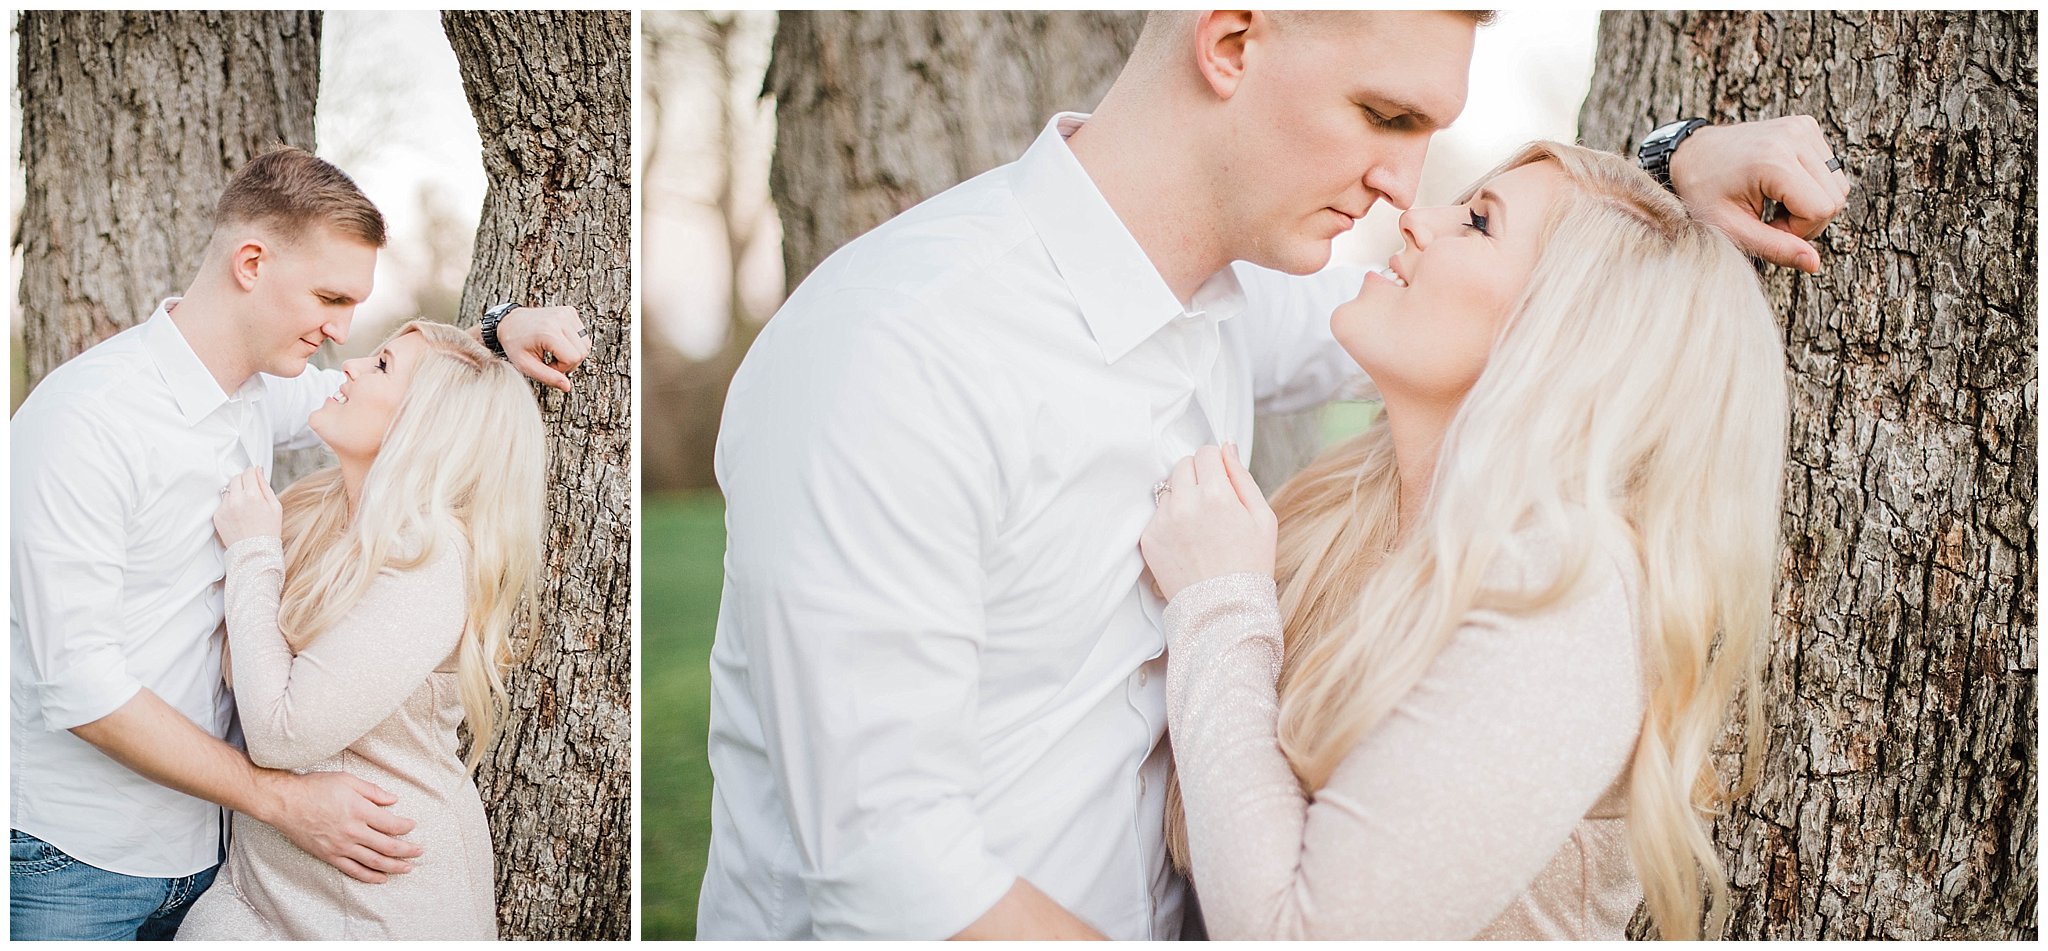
x,y
1667,130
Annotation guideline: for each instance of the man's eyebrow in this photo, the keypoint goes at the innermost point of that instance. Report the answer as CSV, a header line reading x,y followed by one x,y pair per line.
x,y
341,296
1405,107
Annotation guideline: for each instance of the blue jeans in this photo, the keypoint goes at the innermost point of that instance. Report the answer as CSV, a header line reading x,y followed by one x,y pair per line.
x,y
59,898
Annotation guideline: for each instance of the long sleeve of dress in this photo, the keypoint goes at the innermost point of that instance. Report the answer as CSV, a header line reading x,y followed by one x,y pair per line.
x,y
1445,811
300,709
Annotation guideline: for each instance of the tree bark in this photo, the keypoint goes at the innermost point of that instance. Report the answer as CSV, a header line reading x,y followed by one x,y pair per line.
x,y
878,110
131,124
1898,796
551,96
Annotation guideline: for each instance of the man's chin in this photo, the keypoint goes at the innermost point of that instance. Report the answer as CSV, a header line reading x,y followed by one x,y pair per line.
x,y
288,369
1300,259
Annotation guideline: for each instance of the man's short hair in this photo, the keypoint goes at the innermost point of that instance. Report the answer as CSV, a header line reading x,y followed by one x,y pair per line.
x,y
289,188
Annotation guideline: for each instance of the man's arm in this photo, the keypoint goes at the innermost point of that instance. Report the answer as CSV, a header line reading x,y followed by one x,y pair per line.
x,y
334,817
545,343
74,476
859,463
1727,173
1027,914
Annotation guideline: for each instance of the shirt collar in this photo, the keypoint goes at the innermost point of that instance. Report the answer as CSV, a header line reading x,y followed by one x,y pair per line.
x,y
1121,295
192,385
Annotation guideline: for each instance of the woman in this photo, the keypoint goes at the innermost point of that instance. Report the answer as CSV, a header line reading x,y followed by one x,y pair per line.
x,y
1510,617
369,612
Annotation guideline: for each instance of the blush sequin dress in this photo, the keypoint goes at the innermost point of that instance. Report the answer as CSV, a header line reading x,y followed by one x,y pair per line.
x,y
376,698
1489,803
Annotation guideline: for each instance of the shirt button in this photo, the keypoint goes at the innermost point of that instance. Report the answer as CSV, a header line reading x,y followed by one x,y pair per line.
x,y
1141,785
1142,677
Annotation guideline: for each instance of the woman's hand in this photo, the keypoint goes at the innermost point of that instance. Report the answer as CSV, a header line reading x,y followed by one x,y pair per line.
x,y
248,509
1212,521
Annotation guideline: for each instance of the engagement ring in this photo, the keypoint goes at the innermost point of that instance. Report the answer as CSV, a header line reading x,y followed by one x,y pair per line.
x,y
1159,490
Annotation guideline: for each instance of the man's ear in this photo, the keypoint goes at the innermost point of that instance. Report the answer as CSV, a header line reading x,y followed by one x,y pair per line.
x,y
245,260
1219,48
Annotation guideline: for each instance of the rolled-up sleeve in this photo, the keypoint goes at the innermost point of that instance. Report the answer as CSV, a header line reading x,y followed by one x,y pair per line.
x,y
70,501
861,481
289,402
1296,363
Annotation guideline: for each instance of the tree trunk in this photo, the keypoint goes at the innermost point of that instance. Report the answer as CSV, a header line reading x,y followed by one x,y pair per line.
x,y
131,124
877,111
551,96
1898,796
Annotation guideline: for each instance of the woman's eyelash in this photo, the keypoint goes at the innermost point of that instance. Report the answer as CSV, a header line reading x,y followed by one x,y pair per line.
x,y
1478,223
380,365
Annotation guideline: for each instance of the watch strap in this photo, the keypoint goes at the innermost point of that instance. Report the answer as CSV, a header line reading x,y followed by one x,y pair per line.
x,y
490,326
1654,154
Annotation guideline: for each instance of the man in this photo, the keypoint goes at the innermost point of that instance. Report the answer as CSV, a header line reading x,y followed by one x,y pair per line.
x,y
121,760
938,692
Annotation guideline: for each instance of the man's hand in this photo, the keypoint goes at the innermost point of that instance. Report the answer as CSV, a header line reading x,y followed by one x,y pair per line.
x,y
341,820
1727,173
335,817
545,343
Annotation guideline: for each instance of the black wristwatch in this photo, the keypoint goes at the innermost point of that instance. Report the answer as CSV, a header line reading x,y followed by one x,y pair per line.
x,y
490,326
1654,154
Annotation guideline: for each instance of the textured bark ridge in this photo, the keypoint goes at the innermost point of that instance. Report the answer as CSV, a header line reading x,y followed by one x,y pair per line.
x,y
131,123
878,110
550,92
1898,796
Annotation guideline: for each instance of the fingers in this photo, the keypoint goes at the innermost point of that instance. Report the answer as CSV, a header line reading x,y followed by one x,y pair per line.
x,y
1181,481
530,364
388,848
389,825
569,349
1209,473
371,791
355,870
370,859
1241,480
1772,242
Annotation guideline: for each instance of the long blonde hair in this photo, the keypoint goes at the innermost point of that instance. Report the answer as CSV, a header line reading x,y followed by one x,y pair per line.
x,y
1634,401
462,464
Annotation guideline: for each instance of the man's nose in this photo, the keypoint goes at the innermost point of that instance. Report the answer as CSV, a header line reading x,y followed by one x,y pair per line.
x,y
1399,176
337,329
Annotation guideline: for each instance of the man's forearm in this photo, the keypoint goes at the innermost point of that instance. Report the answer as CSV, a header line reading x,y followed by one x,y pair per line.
x,y
152,738
1027,914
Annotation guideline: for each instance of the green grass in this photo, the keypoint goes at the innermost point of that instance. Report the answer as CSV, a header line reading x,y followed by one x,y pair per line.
x,y
1344,420
682,544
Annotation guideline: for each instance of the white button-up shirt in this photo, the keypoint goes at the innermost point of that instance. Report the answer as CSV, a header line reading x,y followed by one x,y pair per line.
x,y
118,460
938,664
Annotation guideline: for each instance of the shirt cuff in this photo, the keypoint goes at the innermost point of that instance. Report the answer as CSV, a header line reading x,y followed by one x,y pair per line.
x,y
97,685
924,880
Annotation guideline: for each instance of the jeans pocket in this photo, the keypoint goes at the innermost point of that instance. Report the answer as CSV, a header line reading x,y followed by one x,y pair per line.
x,y
28,855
